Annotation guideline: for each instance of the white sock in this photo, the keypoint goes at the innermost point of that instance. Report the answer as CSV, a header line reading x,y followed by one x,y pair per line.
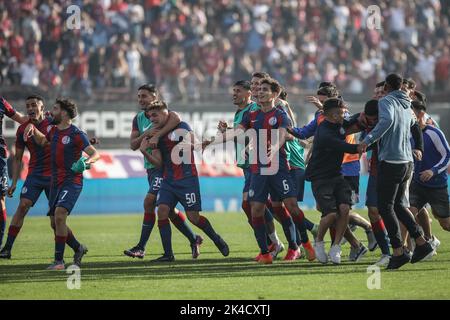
x,y
274,237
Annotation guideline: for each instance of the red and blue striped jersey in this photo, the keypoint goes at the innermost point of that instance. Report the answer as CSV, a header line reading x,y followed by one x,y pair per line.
x,y
9,111
39,164
182,165
260,121
66,147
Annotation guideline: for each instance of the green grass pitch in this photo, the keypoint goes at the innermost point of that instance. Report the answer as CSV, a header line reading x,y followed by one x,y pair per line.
x,y
108,274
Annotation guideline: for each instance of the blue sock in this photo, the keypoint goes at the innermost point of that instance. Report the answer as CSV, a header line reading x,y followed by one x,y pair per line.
x,y
206,227
147,227
298,238
300,224
268,217
60,245
309,225
180,223
260,232
290,232
166,236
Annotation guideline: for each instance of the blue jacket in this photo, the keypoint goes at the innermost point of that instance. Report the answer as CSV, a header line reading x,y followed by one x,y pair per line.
x,y
393,130
436,157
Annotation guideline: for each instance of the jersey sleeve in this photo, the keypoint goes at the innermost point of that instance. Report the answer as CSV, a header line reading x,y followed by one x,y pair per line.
x,y
8,110
284,119
245,122
185,126
83,140
20,143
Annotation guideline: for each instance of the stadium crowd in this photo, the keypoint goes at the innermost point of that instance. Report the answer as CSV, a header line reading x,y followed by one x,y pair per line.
x,y
186,46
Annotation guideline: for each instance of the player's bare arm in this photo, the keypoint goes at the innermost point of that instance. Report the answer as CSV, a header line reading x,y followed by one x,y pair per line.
x,y
154,157
92,153
16,165
19,117
39,138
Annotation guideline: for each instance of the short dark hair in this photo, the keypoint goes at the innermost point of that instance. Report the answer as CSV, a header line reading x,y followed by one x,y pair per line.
x,y
157,105
394,81
371,108
283,94
35,96
149,87
380,84
418,105
260,75
326,84
328,91
331,104
243,83
274,84
420,96
69,106
411,83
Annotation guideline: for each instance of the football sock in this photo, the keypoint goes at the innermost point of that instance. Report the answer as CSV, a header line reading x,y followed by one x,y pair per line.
x,y
288,226
260,232
72,241
166,236
206,227
274,237
60,245
12,234
299,221
2,224
147,227
179,221
380,232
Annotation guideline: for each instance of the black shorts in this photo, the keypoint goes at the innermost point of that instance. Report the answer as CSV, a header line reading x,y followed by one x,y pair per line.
x,y
419,196
330,193
353,181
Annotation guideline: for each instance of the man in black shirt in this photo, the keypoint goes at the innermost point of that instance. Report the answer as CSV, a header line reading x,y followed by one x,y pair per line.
x,y
331,191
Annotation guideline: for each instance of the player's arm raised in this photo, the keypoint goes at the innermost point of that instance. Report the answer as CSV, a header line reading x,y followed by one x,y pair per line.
x,y
154,157
19,117
16,165
172,122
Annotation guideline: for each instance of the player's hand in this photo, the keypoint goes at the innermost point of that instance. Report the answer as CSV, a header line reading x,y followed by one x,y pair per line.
x,y
28,132
153,142
151,132
145,144
362,147
426,175
207,143
11,190
222,126
417,154
314,101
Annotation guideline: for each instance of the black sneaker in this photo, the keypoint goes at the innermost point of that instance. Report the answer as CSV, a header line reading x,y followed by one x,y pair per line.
x,y
397,261
196,246
422,252
82,250
222,246
5,254
165,258
135,252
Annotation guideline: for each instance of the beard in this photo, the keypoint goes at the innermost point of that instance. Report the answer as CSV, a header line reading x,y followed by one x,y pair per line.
x,y
56,121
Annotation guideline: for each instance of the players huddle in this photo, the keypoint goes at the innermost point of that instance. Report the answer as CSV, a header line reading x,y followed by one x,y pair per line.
x,y
409,157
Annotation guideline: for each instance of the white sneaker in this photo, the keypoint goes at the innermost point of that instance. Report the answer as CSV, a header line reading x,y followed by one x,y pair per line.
x,y
383,261
435,243
321,255
279,247
335,254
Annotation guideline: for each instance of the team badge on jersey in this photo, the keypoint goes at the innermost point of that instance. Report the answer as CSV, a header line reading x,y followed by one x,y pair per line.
x,y
65,140
273,121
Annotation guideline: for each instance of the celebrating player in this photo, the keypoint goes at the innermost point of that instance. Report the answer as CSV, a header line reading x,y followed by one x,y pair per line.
x,y
67,143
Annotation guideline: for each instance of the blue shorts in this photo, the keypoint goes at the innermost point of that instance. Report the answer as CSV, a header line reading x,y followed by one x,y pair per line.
x,y
64,196
3,176
371,193
154,177
298,176
247,177
33,187
185,191
280,186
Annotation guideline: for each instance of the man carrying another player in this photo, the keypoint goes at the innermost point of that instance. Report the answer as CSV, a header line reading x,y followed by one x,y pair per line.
x,y
180,179
142,129
67,143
